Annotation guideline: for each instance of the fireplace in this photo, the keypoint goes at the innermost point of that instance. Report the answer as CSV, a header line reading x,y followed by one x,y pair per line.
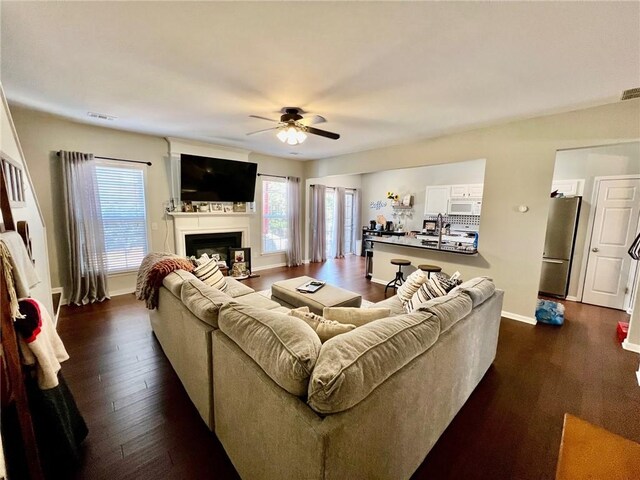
x,y
212,243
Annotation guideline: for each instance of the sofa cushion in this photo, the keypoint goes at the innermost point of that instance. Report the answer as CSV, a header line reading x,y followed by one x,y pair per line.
x,y
355,316
352,365
203,300
173,282
411,285
257,300
393,303
285,347
479,289
325,329
236,288
448,309
209,272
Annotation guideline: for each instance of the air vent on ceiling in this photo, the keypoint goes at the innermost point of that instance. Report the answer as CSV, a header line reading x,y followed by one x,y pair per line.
x,y
631,93
101,116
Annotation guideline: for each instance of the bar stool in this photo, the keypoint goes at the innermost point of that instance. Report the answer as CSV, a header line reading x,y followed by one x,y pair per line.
x,y
399,280
429,269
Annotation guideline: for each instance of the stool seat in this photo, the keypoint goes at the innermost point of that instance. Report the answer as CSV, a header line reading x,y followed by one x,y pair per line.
x,y
430,268
399,280
400,261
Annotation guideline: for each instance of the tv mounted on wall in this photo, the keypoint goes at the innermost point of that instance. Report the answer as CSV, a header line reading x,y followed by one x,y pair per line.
x,y
205,179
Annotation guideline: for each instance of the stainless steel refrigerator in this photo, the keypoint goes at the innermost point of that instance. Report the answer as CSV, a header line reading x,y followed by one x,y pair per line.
x,y
558,246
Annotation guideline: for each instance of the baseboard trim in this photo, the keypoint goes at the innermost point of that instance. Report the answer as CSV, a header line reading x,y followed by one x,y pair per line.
x,y
306,261
377,280
571,298
519,318
124,291
267,267
632,347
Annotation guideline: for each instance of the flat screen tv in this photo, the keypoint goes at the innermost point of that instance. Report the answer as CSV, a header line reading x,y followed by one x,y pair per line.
x,y
205,179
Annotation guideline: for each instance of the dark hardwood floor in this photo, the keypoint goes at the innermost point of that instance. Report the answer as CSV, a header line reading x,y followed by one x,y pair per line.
x,y
142,424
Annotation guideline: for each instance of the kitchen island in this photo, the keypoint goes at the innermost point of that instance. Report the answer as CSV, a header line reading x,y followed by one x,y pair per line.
x,y
450,256
412,242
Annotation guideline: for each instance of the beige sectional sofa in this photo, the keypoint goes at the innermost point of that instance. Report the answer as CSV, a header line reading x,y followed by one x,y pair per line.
x,y
367,404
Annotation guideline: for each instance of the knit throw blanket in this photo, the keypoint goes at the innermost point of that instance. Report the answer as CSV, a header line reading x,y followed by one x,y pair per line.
x,y
153,269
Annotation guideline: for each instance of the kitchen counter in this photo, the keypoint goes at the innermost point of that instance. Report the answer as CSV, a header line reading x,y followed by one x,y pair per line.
x,y
413,242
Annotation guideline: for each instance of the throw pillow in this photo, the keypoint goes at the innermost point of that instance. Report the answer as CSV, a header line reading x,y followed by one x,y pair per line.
x,y
325,329
210,274
429,289
355,315
446,282
411,285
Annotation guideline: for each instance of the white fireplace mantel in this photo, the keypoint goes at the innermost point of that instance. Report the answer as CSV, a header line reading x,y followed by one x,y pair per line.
x,y
197,223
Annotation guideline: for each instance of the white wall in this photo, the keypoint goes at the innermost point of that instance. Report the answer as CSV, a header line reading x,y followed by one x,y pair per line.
x,y
520,158
44,134
10,146
413,181
588,163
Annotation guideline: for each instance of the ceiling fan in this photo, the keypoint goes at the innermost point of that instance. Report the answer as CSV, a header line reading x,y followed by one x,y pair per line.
x,y
293,127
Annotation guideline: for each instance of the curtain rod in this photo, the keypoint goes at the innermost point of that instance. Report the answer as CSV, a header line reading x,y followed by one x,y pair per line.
x,y
333,188
267,175
117,159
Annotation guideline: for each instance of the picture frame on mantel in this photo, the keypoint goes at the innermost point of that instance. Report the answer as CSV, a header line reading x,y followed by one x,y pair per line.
x,y
239,262
239,207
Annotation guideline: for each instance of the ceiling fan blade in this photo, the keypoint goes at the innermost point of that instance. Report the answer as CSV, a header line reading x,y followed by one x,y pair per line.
x,y
262,131
264,118
312,120
322,133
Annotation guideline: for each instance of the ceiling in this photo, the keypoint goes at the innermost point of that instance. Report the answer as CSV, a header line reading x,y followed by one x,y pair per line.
x,y
381,73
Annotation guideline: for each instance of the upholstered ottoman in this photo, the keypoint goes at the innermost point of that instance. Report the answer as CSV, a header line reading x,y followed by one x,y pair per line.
x,y
328,296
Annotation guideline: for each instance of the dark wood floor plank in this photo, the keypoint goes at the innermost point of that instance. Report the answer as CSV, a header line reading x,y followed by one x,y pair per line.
x,y
142,424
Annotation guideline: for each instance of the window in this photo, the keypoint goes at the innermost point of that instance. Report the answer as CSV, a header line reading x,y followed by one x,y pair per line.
x,y
329,206
330,200
124,217
274,216
349,247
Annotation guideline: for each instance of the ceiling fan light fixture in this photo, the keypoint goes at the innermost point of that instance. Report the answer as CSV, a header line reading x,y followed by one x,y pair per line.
x,y
291,135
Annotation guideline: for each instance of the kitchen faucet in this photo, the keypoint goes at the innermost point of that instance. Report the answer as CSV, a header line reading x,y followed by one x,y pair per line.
x,y
439,222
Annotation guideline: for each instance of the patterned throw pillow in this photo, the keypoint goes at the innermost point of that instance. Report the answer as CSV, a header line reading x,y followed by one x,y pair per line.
x,y
210,274
446,282
428,290
325,329
411,285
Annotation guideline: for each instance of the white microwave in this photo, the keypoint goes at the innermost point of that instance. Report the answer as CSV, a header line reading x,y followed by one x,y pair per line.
x,y
464,207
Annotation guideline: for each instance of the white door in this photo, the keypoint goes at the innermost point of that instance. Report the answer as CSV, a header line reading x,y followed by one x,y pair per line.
x,y
614,228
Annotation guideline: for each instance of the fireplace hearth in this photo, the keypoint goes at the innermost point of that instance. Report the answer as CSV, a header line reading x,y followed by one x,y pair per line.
x,y
212,243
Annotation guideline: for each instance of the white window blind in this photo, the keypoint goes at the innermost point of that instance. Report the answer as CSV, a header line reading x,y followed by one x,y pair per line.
x,y
274,216
124,216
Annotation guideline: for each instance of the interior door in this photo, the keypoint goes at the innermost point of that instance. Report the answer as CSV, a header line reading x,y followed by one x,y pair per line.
x,y
615,226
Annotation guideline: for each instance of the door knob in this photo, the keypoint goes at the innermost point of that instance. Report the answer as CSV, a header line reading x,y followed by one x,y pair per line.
x,y
595,250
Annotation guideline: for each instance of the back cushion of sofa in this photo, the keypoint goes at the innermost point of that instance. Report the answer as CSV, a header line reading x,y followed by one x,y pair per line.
x,y
479,289
203,300
448,309
173,282
350,366
285,347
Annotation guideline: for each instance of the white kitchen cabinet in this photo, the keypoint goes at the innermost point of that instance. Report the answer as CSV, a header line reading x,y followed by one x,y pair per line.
x,y
473,190
437,200
568,187
458,191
